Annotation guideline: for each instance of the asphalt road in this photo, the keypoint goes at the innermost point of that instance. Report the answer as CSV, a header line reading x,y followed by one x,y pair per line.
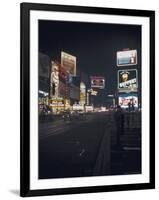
x,y
86,147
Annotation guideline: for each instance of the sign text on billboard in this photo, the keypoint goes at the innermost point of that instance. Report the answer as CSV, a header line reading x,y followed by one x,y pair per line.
x,y
127,80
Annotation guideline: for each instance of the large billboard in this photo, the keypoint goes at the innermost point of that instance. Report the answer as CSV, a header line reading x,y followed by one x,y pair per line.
x,y
68,62
97,82
127,80
54,80
125,58
128,100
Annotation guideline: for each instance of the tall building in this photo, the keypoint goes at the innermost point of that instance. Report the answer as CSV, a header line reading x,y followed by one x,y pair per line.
x,y
74,90
44,64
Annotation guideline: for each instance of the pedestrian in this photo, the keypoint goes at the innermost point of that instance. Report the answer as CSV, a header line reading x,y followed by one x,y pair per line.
x,y
129,105
133,107
119,121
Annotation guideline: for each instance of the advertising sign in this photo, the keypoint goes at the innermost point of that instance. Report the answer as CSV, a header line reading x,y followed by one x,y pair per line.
x,y
92,92
127,80
125,58
97,82
82,93
57,102
128,100
69,63
77,107
89,108
54,80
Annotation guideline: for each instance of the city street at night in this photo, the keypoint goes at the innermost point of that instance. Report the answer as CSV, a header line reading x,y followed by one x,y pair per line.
x,y
89,99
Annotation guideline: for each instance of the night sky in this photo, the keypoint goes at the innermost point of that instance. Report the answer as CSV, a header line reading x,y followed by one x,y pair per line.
x,y
95,45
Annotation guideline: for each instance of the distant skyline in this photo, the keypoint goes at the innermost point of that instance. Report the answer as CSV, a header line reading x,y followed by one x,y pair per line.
x,y
94,44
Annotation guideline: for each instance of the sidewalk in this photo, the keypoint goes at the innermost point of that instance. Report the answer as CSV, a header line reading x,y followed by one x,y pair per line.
x,y
113,159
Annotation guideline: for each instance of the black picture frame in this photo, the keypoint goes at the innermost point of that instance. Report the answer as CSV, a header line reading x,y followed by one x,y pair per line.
x,y
25,189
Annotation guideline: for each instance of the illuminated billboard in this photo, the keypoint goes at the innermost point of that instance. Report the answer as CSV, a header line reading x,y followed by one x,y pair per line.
x,y
78,107
89,108
92,92
128,100
128,57
57,103
68,62
82,93
97,82
127,80
54,80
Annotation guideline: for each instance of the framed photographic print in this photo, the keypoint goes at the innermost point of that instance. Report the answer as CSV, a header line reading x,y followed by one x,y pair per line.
x,y
87,99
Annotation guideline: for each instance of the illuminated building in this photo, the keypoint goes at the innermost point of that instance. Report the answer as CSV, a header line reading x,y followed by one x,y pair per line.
x,y
44,76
